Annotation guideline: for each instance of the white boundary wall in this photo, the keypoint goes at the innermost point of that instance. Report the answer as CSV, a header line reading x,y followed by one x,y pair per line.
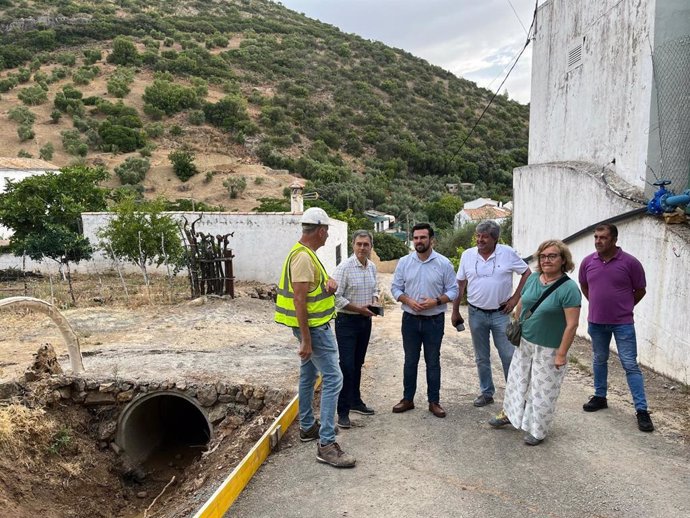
x,y
557,200
260,243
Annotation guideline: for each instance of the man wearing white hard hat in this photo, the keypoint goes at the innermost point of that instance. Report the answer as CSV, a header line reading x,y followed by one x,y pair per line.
x,y
306,303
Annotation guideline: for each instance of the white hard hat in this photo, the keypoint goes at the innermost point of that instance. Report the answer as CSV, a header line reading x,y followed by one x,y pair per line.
x,y
315,216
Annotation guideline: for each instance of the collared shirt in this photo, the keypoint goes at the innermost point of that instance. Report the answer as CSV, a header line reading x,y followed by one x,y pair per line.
x,y
419,279
612,285
356,283
490,281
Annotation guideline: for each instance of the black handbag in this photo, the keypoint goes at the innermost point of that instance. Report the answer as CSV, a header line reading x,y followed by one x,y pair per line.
x,y
514,327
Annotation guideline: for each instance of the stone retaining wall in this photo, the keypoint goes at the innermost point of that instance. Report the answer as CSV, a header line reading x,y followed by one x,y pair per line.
x,y
216,400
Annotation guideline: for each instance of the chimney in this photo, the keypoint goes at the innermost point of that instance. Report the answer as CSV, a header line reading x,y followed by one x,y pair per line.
x,y
297,198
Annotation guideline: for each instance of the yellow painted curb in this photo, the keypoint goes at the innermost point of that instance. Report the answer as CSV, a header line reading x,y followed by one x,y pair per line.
x,y
232,486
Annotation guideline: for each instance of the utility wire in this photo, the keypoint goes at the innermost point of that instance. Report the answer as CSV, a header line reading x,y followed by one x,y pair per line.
x,y
500,74
527,42
518,18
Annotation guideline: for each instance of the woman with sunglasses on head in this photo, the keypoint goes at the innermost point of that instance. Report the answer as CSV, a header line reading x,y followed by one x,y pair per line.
x,y
539,363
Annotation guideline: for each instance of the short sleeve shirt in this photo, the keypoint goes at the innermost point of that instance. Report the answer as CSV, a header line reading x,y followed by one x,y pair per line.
x,y
546,325
611,286
490,281
303,269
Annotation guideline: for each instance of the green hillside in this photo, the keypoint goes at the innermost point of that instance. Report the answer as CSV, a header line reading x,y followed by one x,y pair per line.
x,y
369,126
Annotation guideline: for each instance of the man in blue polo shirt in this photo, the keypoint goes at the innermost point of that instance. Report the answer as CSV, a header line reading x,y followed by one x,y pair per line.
x,y
614,282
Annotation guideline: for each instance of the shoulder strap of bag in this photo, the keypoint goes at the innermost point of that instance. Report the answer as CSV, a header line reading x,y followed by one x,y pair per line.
x,y
548,292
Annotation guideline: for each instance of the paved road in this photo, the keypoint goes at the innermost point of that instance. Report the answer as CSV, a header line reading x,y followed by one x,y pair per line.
x,y
415,464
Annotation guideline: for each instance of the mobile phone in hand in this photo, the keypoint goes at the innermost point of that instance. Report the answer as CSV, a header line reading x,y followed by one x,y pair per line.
x,y
376,310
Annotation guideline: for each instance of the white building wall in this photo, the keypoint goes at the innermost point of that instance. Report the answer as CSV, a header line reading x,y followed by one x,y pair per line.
x,y
577,198
260,243
600,110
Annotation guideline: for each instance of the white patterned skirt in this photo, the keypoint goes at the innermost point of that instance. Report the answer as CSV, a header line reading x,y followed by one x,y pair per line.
x,y
532,388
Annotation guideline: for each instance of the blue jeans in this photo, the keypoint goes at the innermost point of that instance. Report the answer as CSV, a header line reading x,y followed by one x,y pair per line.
x,y
429,333
323,359
626,343
481,324
352,333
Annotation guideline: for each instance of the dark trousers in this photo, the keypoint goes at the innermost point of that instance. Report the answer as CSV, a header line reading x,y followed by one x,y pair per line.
x,y
426,332
352,333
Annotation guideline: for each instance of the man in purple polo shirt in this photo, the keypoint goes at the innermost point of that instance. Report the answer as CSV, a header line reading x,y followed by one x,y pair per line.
x,y
614,282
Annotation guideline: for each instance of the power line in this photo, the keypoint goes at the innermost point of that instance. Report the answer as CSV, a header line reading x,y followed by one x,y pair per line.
x,y
524,47
518,18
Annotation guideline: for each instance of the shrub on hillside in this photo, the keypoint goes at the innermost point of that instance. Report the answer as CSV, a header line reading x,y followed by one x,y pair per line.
x,y
22,115
196,117
13,56
235,186
133,170
84,75
73,144
118,87
170,97
120,138
124,52
155,129
68,59
183,164
32,95
46,151
91,56
8,83
25,132
230,113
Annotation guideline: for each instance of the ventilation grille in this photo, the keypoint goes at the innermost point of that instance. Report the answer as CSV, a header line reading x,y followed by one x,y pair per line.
x,y
575,54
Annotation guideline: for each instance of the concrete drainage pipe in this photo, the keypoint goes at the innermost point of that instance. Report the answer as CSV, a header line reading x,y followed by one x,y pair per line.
x,y
161,426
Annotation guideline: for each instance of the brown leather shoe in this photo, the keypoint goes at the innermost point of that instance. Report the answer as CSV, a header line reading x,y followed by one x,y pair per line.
x,y
437,410
403,406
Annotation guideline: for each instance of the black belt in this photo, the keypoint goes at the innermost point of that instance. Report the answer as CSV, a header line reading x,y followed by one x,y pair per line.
x,y
351,315
500,308
424,317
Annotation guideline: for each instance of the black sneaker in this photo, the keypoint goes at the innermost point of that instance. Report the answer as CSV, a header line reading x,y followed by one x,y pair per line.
x,y
482,400
362,409
644,422
595,403
344,421
310,435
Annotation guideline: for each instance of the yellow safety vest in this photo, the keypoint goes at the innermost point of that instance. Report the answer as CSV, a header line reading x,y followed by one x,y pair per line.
x,y
320,304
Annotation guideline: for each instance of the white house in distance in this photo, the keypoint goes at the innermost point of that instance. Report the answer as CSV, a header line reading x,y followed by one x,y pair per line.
x,y
482,209
16,169
610,113
381,221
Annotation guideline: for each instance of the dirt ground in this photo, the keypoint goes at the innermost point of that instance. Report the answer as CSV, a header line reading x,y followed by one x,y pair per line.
x,y
173,338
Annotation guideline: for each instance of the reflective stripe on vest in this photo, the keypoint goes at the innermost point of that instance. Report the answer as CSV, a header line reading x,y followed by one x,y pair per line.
x,y
320,305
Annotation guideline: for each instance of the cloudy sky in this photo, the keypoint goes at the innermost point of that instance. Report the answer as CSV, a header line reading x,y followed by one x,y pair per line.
x,y
474,39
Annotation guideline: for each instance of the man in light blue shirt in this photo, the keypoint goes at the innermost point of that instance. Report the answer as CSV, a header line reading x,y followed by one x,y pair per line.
x,y
424,282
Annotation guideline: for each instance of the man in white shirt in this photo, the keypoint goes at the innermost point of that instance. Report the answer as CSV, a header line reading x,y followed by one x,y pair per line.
x,y
486,270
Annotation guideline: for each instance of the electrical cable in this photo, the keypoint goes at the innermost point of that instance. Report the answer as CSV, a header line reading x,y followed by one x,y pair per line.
x,y
527,42
518,18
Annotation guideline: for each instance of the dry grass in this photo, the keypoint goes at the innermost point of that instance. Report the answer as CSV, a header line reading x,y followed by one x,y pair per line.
x,y
101,289
24,432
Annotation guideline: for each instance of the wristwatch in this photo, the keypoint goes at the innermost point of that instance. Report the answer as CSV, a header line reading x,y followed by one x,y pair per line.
x,y
438,301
